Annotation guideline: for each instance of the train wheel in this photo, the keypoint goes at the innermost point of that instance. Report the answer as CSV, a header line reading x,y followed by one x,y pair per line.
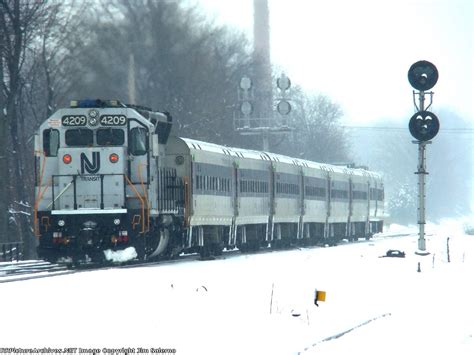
x,y
139,245
205,252
209,251
218,249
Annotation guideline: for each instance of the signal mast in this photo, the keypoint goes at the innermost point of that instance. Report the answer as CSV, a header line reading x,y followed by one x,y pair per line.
x,y
423,126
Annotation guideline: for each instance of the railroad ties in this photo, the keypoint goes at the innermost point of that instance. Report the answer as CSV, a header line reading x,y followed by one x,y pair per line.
x,y
31,269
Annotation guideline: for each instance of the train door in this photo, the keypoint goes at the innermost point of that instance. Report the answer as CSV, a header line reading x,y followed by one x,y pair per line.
x,y
235,203
271,205
381,199
376,197
350,227
302,206
79,184
327,233
235,190
89,184
367,227
351,198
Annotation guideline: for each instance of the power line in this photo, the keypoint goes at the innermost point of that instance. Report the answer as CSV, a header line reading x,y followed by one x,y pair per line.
x,y
462,130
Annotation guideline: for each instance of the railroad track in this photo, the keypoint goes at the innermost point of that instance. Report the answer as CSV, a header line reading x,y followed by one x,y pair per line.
x,y
30,269
34,269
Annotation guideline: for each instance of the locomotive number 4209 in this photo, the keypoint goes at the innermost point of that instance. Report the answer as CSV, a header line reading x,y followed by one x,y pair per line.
x,y
76,120
113,120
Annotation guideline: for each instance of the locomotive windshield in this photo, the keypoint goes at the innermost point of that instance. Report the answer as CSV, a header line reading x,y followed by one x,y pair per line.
x,y
110,136
79,137
138,141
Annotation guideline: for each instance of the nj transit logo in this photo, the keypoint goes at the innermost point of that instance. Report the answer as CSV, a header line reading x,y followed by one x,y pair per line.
x,y
86,164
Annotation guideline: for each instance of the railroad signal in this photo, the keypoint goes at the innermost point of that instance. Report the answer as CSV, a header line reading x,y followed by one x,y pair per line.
x,y
283,105
251,117
283,82
423,126
423,75
245,83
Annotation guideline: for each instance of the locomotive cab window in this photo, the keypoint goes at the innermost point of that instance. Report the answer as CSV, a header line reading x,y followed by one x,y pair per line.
x,y
138,141
51,142
79,137
110,137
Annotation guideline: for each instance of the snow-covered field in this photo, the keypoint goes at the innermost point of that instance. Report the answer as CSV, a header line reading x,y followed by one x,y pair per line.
x,y
262,304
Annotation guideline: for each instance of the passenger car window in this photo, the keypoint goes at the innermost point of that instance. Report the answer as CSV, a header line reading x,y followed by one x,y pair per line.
x,y
51,142
79,137
110,136
138,141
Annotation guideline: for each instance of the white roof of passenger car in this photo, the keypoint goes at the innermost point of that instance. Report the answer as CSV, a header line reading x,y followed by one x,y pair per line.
x,y
196,146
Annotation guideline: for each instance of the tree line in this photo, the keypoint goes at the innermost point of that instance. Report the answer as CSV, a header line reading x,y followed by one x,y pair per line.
x,y
183,63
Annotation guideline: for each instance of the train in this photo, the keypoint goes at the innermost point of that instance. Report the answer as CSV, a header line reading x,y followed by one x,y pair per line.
x,y
110,176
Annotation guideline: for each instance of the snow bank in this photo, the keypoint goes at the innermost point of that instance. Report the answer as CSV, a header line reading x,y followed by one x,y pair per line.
x,y
262,303
120,256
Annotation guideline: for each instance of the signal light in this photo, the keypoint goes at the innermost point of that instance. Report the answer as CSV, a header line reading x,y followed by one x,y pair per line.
x,y
67,159
423,75
114,158
424,126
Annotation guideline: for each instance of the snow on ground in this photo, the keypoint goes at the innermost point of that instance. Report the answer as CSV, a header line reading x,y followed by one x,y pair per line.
x,y
262,304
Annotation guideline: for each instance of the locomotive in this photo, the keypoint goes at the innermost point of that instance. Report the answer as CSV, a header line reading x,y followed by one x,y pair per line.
x,y
110,176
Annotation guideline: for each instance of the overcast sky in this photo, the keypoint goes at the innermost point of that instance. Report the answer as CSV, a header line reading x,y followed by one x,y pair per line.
x,y
359,52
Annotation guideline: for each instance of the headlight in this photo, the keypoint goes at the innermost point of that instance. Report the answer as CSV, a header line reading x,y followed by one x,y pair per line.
x,y
93,113
93,121
113,158
67,159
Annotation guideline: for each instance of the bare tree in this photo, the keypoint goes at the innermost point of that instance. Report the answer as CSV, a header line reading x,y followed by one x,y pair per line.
x,y
183,64
18,25
4,171
33,52
318,135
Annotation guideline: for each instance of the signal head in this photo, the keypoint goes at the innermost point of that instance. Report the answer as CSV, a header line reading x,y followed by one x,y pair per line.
x,y
423,75
424,126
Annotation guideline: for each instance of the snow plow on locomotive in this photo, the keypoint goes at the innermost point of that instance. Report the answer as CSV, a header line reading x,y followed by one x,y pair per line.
x,y
110,176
